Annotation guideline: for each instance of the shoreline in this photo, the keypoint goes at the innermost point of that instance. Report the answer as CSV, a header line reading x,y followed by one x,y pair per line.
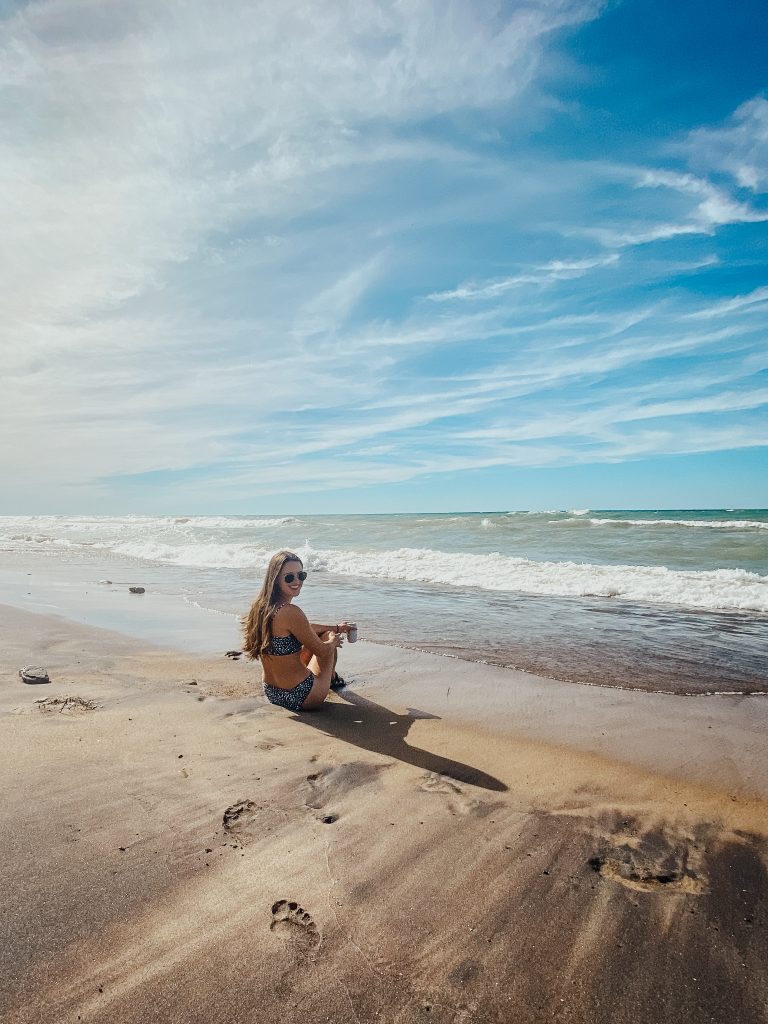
x,y
654,731
572,641
574,682
187,852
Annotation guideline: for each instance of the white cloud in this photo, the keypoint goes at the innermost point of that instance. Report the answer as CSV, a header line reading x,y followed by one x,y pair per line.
x,y
738,148
753,302
555,270
224,224
135,131
152,151
709,208
715,207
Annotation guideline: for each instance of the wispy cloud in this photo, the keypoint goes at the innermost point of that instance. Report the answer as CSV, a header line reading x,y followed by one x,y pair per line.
x,y
555,270
702,208
739,147
715,206
754,302
289,249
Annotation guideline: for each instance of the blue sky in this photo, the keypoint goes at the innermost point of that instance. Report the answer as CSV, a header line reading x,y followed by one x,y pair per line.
x,y
359,257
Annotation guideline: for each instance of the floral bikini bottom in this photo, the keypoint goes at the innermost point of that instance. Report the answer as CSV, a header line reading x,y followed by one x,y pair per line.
x,y
291,699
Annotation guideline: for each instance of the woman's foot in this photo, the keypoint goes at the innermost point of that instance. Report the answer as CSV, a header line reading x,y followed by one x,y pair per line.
x,y
337,682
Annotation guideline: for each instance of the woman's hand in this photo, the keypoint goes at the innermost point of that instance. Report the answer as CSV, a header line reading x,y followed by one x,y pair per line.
x,y
335,639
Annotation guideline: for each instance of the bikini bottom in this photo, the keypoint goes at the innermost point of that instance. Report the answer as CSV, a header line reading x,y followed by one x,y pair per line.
x,y
292,699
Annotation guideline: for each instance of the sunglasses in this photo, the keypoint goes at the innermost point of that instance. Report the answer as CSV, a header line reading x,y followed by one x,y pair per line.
x,y
291,576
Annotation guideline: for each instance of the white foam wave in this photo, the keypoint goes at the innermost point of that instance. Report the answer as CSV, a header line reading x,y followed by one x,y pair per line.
x,y
537,512
228,523
42,538
107,524
714,590
711,524
200,556
705,589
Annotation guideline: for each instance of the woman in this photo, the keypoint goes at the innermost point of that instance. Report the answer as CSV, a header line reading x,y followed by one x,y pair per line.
x,y
297,656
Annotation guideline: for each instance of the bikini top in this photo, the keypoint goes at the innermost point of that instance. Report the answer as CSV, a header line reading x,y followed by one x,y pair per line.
x,y
280,645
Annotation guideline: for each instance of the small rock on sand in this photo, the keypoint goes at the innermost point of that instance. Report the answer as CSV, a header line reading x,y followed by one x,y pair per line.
x,y
136,590
32,674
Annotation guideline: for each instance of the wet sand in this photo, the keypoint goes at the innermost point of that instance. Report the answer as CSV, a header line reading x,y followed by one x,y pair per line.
x,y
444,841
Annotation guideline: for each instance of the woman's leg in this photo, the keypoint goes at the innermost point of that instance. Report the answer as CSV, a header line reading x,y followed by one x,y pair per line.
x,y
322,669
310,661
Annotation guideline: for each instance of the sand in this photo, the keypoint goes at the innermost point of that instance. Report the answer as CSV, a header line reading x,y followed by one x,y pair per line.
x,y
443,842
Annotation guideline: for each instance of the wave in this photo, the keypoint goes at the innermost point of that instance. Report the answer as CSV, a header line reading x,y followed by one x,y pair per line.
x,y
42,538
74,523
212,555
713,589
199,556
229,523
711,524
539,512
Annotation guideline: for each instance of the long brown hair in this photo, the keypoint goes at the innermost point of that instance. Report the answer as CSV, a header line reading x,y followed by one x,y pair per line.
x,y
257,624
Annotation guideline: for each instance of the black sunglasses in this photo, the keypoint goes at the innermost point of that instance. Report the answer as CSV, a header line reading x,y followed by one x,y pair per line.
x,y
291,576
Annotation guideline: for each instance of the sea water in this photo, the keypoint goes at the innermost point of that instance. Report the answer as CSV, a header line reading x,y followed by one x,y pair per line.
x,y
657,599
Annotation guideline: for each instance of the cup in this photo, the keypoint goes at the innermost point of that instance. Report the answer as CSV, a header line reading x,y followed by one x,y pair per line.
x,y
352,632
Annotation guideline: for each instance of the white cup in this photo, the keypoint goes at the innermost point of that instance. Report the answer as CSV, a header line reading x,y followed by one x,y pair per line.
x,y
352,633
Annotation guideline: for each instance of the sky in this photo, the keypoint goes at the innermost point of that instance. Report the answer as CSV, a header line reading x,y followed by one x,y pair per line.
x,y
357,256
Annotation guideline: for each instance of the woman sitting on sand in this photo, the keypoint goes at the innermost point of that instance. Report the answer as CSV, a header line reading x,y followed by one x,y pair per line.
x,y
298,657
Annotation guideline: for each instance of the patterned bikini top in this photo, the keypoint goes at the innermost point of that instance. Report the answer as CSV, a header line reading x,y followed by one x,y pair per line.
x,y
280,645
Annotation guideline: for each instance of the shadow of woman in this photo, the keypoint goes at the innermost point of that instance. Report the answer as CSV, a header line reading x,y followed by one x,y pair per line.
x,y
368,725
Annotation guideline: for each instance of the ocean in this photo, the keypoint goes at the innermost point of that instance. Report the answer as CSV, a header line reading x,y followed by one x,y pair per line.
x,y
673,600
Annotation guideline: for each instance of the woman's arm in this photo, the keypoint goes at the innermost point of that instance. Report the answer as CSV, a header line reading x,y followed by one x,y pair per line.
x,y
293,619
319,629
339,627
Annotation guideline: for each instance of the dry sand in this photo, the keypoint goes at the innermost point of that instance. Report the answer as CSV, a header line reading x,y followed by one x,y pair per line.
x,y
443,842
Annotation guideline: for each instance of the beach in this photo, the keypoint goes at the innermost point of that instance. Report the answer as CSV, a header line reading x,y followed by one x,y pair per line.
x,y
444,841
432,337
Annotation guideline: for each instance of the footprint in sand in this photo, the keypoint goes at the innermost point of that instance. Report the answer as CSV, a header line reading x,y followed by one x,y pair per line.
x,y
245,821
655,861
267,744
333,783
293,924
457,800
